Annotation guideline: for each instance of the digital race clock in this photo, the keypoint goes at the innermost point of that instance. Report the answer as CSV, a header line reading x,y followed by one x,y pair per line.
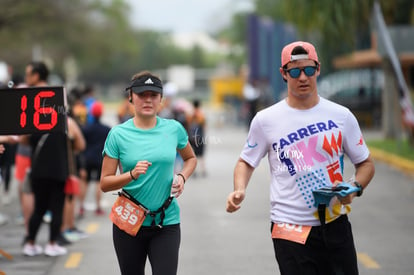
x,y
32,110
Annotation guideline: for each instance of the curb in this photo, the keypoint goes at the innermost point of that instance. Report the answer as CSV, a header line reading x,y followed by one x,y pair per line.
x,y
400,163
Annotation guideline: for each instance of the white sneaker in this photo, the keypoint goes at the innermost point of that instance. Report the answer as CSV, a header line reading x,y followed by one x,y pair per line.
x,y
53,250
32,250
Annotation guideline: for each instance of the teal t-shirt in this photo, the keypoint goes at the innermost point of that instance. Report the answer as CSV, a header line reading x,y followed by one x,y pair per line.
x,y
158,145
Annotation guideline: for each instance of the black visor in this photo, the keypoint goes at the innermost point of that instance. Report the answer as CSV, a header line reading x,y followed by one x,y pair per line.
x,y
146,83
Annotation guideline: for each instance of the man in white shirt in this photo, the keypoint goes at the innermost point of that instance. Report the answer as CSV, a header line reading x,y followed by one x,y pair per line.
x,y
305,138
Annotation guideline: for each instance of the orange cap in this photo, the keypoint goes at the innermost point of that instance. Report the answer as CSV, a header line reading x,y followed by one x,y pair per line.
x,y
287,52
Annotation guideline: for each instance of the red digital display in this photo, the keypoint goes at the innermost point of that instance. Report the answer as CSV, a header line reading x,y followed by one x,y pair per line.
x,y
23,116
32,110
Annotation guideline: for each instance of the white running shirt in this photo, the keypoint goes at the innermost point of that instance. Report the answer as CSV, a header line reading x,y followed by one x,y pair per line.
x,y
305,150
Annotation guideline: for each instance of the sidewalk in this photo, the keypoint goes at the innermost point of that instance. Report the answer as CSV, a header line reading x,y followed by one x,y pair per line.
x,y
397,162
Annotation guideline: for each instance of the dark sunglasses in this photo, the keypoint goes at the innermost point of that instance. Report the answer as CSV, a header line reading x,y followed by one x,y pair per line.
x,y
308,70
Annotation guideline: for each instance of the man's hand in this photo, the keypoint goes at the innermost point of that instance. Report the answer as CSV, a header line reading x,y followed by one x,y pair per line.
x,y
345,200
348,199
234,200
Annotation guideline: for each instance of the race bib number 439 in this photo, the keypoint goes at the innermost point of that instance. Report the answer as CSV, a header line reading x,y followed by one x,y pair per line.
x,y
127,215
291,232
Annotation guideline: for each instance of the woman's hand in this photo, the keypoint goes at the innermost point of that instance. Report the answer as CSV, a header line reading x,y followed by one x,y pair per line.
x,y
140,168
111,181
177,186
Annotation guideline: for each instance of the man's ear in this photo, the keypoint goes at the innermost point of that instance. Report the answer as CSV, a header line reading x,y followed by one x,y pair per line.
x,y
318,71
283,73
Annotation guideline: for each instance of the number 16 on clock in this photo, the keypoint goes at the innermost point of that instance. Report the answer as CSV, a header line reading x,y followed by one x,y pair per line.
x,y
32,110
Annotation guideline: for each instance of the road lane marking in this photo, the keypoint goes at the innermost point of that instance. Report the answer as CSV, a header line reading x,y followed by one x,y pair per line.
x,y
73,260
92,228
367,261
6,255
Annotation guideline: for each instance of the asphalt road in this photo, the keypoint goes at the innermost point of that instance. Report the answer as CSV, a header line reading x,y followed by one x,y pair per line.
x,y
215,242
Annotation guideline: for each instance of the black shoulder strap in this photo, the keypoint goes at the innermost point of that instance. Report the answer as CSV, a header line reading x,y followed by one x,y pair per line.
x,y
39,146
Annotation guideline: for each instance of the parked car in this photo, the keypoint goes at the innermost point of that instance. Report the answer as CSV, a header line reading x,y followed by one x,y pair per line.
x,y
359,90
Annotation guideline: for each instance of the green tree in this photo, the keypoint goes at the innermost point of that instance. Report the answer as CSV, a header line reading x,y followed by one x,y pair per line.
x,y
197,57
340,26
95,33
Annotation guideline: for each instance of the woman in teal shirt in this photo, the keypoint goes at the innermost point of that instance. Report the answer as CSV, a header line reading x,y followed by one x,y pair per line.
x,y
144,148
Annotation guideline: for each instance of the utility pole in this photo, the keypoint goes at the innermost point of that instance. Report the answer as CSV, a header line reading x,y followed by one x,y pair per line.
x,y
391,109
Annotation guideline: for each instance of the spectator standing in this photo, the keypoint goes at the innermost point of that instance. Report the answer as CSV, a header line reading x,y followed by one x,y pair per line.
x,y
89,99
36,75
197,133
251,95
95,135
48,176
125,110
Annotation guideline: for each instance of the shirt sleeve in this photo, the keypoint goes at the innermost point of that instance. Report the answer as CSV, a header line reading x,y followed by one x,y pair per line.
x,y
256,145
182,136
354,145
111,148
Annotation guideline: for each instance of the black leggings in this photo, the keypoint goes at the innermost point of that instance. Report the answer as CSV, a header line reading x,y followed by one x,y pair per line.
x,y
160,245
315,258
48,195
5,174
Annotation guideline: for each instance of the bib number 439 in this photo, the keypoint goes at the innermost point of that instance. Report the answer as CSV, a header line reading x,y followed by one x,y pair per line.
x,y
127,215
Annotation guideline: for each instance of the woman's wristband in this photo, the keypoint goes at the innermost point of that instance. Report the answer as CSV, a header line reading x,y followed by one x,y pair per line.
x,y
181,175
132,176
